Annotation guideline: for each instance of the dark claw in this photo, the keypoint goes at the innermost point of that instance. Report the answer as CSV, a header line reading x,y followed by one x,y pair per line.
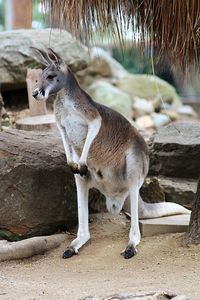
x,y
83,170
69,253
76,169
129,252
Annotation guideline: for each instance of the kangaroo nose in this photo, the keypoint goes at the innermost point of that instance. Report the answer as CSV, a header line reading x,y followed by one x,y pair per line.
x,y
35,93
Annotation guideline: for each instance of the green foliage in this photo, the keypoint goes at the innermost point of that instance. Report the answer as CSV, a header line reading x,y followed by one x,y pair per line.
x,y
133,60
40,19
2,15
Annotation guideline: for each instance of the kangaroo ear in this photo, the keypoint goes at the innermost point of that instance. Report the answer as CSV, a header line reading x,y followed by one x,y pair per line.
x,y
54,57
43,57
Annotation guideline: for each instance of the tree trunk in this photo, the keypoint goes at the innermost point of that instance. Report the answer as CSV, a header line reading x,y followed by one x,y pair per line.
x,y
30,247
1,107
193,235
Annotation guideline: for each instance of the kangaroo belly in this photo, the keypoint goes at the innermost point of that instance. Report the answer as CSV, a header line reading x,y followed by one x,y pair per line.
x,y
76,131
108,182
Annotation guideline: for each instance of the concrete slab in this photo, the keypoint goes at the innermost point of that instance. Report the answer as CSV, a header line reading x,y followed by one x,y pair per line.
x,y
171,224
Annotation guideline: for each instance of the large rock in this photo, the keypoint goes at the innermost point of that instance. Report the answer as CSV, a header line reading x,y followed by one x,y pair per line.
x,y
16,55
110,67
101,64
105,93
178,190
148,87
175,150
37,190
161,188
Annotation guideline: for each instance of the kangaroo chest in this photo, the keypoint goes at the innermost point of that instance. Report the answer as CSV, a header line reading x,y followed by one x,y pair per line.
x,y
73,123
76,129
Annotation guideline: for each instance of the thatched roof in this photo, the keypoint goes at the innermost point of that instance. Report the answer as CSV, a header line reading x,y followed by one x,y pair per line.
x,y
171,26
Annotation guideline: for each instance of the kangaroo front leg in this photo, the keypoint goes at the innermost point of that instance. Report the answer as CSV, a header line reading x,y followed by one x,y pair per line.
x,y
83,234
73,166
134,234
65,144
93,129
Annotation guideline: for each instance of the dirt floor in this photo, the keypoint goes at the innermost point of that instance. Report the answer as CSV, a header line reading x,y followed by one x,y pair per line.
x,y
99,270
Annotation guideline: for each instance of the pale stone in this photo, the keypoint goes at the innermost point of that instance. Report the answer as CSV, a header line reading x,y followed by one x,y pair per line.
x,y
186,110
160,119
148,87
106,94
173,115
171,224
142,107
144,122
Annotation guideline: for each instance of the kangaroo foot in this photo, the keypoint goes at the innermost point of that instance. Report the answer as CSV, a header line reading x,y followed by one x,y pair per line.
x,y
69,252
129,252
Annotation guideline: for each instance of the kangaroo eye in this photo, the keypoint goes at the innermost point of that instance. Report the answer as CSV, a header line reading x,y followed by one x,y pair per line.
x,y
51,77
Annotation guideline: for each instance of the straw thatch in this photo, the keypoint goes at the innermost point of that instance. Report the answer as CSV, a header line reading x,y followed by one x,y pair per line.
x,y
171,26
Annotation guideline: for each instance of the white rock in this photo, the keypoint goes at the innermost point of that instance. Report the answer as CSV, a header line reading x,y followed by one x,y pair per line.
x,y
145,122
186,110
173,115
160,119
142,107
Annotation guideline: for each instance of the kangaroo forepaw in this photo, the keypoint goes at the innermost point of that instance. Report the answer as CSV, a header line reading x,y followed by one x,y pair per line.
x,y
83,169
129,252
78,169
69,252
73,167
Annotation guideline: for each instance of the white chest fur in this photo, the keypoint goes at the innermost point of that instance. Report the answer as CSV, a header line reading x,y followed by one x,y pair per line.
x,y
72,122
76,129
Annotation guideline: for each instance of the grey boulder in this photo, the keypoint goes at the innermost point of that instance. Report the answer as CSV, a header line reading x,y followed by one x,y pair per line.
x,y
175,150
16,55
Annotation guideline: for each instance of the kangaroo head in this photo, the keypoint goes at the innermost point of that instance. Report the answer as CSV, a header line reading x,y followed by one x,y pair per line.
x,y
53,77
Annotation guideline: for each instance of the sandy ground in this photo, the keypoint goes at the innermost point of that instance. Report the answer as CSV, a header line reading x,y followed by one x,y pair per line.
x,y
99,270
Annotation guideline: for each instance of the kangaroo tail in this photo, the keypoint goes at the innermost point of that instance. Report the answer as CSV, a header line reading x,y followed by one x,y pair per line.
x,y
156,210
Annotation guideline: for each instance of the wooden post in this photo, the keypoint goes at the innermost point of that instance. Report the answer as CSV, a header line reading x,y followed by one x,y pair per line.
x,y
39,120
36,107
18,14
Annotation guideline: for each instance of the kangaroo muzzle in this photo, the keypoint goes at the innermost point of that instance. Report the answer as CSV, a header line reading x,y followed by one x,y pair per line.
x,y
39,94
35,94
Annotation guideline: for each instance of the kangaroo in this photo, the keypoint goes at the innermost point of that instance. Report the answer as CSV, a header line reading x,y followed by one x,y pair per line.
x,y
103,150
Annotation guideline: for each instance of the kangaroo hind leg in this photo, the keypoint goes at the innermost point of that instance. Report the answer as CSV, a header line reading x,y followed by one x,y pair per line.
x,y
83,234
134,234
